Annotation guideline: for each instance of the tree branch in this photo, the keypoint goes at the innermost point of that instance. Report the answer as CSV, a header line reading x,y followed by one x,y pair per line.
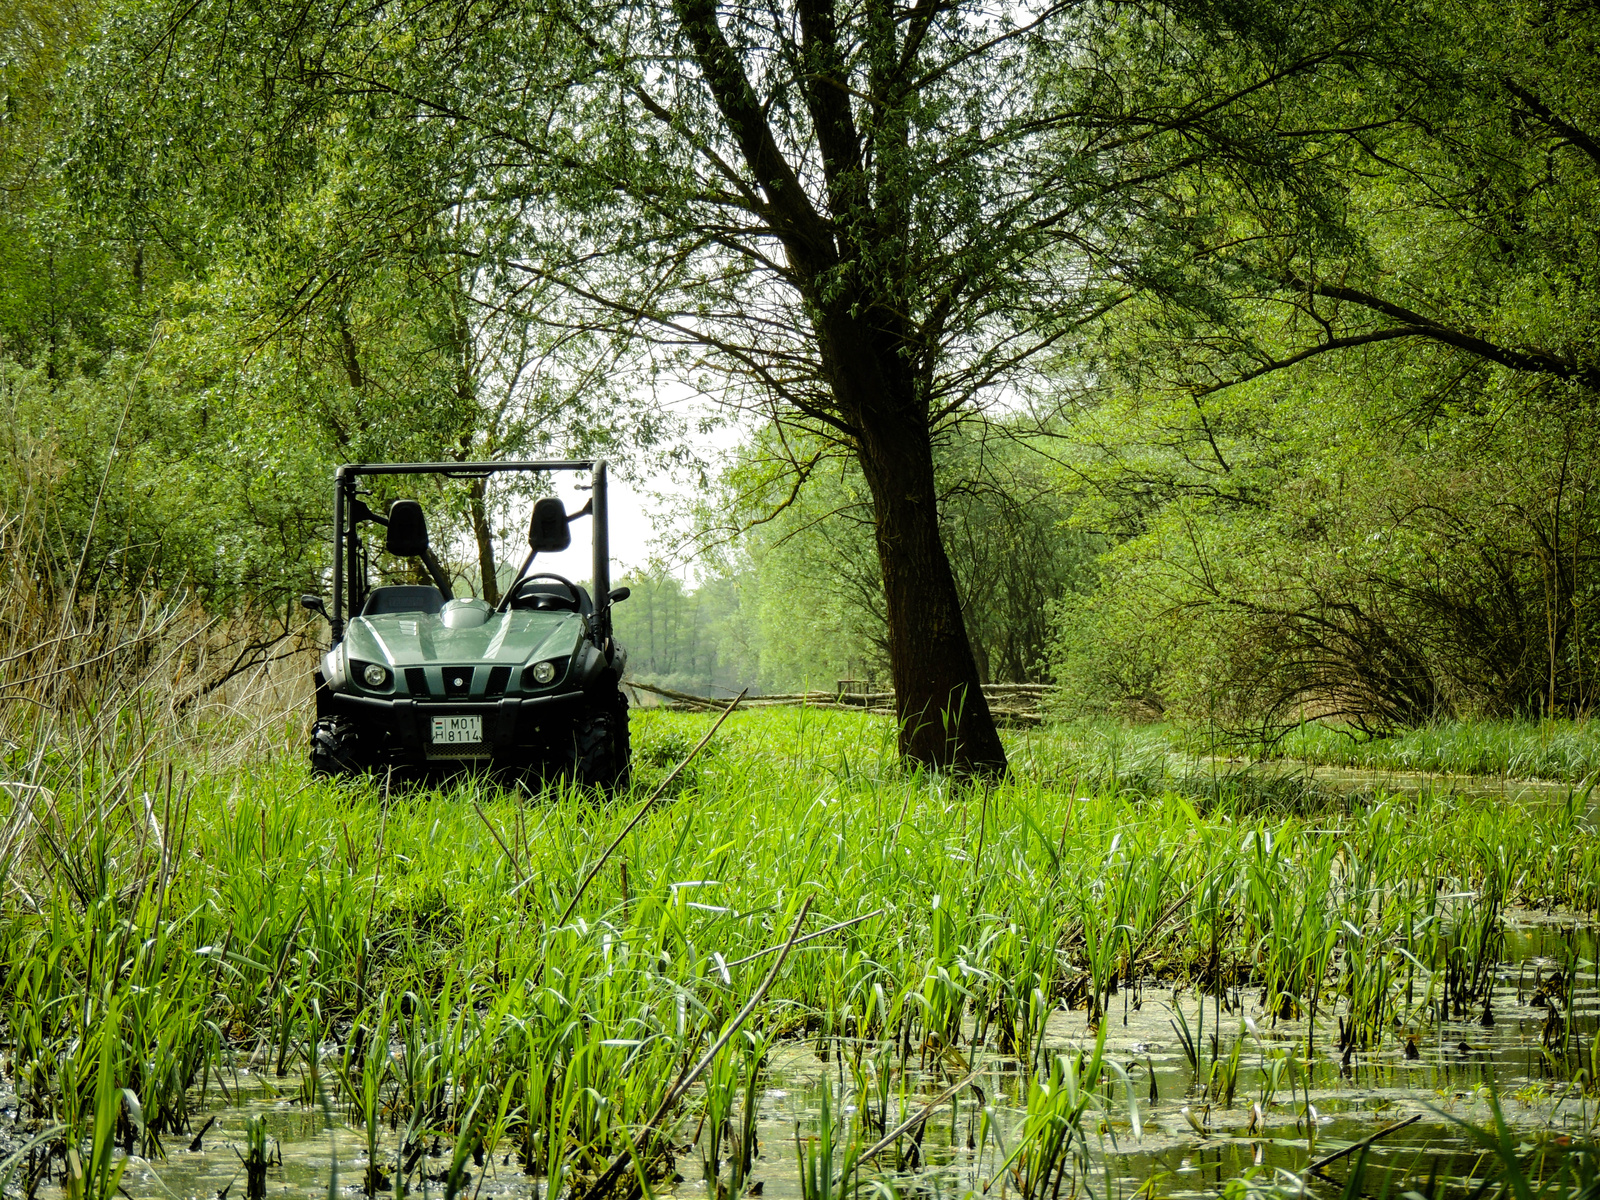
x,y
1421,326
1575,137
804,232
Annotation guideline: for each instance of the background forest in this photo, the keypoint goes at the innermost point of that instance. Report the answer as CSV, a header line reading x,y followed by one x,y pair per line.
x,y
1322,444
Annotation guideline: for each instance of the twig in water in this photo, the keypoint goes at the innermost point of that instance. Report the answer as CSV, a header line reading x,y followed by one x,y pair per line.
x,y
917,1118
1361,1145
677,1091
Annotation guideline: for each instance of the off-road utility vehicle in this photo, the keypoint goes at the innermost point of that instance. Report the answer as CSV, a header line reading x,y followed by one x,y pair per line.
x,y
418,678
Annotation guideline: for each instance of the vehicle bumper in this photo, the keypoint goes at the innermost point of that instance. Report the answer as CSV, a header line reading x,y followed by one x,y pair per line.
x,y
514,727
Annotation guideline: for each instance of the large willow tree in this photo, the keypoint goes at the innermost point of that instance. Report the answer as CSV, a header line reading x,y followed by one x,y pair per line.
x,y
866,219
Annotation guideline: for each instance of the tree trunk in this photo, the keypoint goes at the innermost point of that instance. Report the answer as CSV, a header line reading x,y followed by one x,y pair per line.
x,y
480,529
944,718
852,269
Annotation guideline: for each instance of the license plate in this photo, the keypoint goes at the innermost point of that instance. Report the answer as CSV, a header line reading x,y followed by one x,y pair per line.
x,y
457,731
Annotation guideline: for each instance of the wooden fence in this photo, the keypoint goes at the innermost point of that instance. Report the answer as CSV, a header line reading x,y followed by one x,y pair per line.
x,y
1011,703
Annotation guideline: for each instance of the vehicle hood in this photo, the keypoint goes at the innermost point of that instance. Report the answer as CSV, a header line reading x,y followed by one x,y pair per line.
x,y
401,640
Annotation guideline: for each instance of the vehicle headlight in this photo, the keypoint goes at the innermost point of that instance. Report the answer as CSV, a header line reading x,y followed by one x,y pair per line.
x,y
542,672
374,676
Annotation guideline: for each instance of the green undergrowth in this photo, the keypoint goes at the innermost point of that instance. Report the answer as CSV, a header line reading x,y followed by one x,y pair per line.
x,y
1560,751
1563,751
159,924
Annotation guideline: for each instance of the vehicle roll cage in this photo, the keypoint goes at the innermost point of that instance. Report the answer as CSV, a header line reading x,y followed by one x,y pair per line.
x,y
349,511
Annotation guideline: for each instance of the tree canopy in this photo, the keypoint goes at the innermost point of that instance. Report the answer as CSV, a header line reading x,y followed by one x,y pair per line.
x,y
868,220
1238,287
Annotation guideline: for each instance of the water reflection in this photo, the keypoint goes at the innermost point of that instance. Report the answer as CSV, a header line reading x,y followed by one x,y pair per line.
x,y
1277,1119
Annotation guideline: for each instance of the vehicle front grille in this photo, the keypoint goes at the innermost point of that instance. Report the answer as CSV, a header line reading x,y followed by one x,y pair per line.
x,y
499,677
457,682
417,681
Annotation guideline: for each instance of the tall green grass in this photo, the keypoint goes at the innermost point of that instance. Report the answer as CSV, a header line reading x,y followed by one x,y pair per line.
x,y
160,929
1563,751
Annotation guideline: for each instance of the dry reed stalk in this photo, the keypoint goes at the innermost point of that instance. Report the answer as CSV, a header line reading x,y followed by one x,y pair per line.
x,y
93,669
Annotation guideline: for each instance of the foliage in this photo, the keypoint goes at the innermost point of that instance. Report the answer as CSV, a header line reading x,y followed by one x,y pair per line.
x,y
62,287
1355,558
815,588
1465,139
690,639
808,566
114,488
208,292
1363,486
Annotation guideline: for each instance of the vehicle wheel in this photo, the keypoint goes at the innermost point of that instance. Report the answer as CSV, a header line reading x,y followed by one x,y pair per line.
x,y
333,748
622,747
601,752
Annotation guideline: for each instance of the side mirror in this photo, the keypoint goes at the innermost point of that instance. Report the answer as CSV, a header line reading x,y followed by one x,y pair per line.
x,y
620,593
312,603
548,532
408,530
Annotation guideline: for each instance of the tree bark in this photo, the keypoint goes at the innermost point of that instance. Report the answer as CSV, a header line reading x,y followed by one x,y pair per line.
x,y
944,718
480,529
478,513
867,346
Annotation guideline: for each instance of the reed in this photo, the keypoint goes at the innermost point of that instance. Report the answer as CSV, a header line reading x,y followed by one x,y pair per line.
x,y
1053,1142
828,1158
166,920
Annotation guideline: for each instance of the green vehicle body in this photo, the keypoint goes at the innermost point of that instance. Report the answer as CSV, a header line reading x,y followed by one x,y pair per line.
x,y
417,682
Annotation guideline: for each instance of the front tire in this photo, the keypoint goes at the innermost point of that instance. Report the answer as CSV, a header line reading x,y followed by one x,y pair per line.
x,y
601,751
335,752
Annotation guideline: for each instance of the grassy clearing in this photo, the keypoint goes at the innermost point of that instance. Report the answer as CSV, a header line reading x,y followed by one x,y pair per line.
x,y
1562,751
157,926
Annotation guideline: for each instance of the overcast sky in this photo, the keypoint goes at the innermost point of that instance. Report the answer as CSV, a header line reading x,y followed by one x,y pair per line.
x,y
641,508
634,539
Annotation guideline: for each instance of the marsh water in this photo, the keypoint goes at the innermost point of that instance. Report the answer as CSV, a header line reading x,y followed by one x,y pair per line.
x,y
1189,1139
1457,1067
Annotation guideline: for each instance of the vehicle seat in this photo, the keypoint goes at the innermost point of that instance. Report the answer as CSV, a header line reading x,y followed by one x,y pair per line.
x,y
548,594
403,598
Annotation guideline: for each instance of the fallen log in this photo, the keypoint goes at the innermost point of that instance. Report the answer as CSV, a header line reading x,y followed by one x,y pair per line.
x,y
686,698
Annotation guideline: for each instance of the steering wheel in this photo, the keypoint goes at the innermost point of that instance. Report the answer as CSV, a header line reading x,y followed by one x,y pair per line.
x,y
544,601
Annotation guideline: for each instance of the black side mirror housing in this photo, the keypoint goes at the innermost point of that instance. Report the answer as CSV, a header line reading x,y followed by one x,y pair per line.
x,y
620,593
408,530
313,603
548,532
